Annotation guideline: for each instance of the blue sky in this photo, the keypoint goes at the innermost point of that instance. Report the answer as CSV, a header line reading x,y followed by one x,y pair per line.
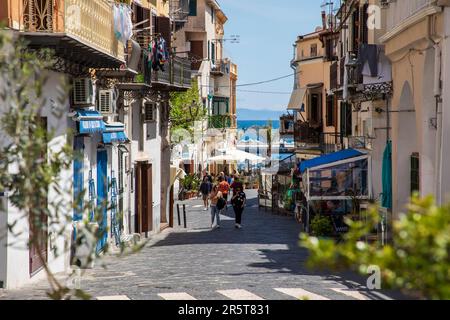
x,y
267,30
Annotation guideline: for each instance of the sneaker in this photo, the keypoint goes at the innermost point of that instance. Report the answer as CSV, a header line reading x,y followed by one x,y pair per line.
x,y
238,226
206,209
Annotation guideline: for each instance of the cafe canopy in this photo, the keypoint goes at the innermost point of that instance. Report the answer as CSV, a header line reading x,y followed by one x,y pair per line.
x,y
343,175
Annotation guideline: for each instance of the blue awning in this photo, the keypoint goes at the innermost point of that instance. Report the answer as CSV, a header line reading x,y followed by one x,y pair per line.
x,y
329,158
114,132
90,121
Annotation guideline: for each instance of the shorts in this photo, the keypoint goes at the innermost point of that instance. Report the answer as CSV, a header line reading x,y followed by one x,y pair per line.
x,y
205,197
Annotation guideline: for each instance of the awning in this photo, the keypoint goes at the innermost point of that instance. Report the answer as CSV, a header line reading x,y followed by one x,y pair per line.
x,y
236,156
90,121
312,86
329,158
297,99
114,132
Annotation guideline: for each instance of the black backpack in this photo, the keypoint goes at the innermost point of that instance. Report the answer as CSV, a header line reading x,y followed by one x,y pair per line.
x,y
239,200
221,203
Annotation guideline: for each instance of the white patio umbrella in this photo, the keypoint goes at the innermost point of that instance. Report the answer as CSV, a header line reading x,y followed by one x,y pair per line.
x,y
236,156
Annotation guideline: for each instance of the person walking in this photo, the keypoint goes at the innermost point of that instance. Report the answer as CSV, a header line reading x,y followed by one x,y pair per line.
x,y
216,198
224,187
205,189
238,201
236,184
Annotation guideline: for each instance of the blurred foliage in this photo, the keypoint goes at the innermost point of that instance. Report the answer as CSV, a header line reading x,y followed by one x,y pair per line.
x,y
417,262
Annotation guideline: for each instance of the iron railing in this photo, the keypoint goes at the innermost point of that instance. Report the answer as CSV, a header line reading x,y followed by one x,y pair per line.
x,y
176,73
92,22
222,121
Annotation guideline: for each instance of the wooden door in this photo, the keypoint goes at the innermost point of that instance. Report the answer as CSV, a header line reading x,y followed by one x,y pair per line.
x,y
147,200
144,198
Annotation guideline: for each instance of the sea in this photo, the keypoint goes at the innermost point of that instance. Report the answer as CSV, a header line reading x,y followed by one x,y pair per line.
x,y
245,124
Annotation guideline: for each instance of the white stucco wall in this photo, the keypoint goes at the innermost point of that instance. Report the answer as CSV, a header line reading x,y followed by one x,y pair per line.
x,y
152,153
16,264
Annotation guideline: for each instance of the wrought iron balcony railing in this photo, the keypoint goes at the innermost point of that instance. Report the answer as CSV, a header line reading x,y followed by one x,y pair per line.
x,y
89,22
220,67
222,122
176,75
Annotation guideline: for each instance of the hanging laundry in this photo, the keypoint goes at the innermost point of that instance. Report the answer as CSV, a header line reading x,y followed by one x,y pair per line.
x,y
123,25
368,53
160,54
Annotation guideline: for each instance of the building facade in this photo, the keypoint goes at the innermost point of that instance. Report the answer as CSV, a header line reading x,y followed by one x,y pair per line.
x,y
417,44
202,41
117,109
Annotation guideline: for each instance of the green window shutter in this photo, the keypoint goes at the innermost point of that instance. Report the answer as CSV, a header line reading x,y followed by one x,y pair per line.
x,y
193,7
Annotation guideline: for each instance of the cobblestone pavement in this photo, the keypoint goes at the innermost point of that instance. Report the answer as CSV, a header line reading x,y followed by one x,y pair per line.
x,y
260,261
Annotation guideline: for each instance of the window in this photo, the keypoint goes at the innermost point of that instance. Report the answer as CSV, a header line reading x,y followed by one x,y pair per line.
x,y
314,109
364,28
212,15
213,53
346,119
330,112
193,7
220,106
415,173
313,50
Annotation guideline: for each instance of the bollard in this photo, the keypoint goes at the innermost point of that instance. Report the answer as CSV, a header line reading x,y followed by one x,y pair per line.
x,y
184,216
179,216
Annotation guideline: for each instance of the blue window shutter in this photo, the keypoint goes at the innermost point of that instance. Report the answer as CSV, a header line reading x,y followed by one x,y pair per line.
x,y
78,179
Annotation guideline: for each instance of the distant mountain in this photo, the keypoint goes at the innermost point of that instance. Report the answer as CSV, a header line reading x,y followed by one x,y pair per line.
x,y
263,114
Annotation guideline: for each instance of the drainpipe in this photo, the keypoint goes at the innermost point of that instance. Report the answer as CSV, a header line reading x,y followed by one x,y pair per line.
x,y
437,92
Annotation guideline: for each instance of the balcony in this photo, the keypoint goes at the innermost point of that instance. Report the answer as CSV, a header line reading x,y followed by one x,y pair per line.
x,y
314,140
77,30
175,77
220,68
287,125
222,122
179,10
400,11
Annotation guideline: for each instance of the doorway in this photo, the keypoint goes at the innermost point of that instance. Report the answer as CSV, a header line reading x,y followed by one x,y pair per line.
x,y
38,221
144,198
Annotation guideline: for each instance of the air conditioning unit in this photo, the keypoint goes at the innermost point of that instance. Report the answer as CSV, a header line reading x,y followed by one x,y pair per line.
x,y
150,112
83,91
106,101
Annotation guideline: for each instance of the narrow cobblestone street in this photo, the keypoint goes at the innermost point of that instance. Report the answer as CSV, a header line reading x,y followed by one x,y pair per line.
x,y
260,261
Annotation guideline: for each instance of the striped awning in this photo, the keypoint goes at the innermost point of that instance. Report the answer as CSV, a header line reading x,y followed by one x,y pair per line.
x,y
89,121
297,99
114,133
